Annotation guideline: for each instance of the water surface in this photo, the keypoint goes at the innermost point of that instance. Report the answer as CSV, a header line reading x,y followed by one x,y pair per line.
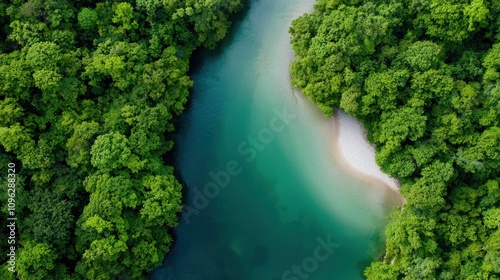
x,y
278,205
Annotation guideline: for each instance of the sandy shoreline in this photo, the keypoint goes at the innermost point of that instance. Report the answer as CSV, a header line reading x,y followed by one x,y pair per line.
x,y
354,153
348,145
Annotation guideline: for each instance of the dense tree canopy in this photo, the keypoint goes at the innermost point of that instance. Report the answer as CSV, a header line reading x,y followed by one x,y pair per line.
x,y
424,78
88,90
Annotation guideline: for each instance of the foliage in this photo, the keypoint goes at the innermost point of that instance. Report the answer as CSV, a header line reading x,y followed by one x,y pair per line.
x,y
88,90
423,77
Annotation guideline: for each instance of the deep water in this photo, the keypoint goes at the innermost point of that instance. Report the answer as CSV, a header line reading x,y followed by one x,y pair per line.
x,y
265,198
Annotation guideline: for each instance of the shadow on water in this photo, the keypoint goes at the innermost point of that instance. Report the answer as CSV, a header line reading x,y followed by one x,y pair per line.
x,y
200,55
197,59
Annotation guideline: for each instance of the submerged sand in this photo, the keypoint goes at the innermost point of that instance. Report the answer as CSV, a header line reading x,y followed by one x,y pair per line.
x,y
343,136
354,152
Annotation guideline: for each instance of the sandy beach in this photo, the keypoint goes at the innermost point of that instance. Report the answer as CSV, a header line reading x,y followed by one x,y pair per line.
x,y
354,152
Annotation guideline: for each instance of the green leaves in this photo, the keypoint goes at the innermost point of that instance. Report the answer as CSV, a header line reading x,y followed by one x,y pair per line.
x,y
149,5
477,13
423,77
492,218
10,111
112,235
428,192
111,152
13,137
88,91
104,250
492,64
406,123
493,253
36,261
329,48
422,56
124,16
382,91
87,19
444,20
79,144
380,271
162,200
15,77
46,80
43,55
51,217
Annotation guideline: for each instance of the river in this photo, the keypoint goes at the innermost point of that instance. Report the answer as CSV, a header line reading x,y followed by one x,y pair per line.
x,y
266,198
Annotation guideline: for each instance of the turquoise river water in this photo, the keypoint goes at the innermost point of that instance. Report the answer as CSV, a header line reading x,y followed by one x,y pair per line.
x,y
265,197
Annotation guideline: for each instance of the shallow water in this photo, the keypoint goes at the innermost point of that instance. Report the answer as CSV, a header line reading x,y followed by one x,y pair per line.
x,y
266,199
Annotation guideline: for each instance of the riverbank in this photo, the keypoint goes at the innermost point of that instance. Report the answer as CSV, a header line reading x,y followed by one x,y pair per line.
x,y
293,191
354,153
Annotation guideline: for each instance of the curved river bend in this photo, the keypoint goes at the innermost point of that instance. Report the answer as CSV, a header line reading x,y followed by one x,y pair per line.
x,y
266,199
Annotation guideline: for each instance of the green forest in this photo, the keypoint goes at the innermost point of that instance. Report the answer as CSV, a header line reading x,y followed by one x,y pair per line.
x,y
424,79
88,94
89,91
